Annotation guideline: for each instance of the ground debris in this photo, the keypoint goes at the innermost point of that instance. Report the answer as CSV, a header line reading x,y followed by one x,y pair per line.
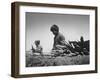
x,y
48,60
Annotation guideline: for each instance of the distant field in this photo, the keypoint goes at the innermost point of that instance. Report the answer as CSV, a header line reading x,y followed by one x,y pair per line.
x,y
33,60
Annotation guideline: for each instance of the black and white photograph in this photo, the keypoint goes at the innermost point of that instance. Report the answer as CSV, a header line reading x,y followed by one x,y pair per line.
x,y
52,39
56,39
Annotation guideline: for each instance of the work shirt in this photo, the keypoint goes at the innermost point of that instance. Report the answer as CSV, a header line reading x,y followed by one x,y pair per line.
x,y
58,40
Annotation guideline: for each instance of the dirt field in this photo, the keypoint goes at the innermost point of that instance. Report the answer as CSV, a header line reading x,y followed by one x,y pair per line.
x,y
33,60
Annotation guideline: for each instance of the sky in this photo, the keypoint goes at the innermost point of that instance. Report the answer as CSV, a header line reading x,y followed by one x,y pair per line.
x,y
38,28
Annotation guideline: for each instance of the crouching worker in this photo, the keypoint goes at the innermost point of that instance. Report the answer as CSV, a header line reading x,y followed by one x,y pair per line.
x,y
38,48
59,45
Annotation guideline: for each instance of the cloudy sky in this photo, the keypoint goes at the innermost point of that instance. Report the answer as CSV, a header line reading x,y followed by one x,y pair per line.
x,y
38,28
